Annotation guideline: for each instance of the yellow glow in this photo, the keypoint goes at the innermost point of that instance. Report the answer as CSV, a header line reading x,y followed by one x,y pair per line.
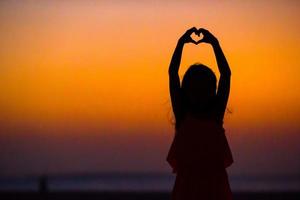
x,y
105,63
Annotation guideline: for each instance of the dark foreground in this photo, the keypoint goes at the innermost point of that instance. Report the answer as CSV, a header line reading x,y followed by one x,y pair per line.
x,y
137,195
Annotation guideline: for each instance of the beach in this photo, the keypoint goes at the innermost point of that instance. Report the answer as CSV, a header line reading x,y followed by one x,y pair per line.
x,y
137,186
139,195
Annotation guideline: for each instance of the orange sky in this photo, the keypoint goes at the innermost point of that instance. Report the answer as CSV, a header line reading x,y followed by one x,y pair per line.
x,y
88,69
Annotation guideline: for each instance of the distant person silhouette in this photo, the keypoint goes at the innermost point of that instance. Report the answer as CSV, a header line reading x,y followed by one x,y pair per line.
x,y
199,154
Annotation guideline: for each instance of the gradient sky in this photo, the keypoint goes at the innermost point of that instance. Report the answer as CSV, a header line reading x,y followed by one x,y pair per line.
x,y
84,84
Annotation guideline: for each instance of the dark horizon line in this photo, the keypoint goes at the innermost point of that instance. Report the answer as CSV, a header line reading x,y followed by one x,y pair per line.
x,y
130,174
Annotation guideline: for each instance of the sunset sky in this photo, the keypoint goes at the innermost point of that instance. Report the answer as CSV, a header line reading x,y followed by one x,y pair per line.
x,y
84,84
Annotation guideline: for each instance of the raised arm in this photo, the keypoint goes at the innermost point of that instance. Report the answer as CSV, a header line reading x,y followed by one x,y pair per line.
x,y
225,72
174,81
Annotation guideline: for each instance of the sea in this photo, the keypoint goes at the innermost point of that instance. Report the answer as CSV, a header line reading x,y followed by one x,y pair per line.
x,y
141,182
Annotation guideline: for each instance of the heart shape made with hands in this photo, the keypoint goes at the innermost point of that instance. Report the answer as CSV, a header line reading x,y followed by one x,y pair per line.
x,y
197,36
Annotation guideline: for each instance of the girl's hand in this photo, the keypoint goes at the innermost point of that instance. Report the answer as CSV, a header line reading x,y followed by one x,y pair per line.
x,y
207,37
186,37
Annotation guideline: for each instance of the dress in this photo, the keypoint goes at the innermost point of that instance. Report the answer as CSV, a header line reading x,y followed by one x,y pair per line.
x,y
199,155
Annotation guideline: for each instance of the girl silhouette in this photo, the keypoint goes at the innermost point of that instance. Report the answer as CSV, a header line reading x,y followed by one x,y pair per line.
x,y
199,154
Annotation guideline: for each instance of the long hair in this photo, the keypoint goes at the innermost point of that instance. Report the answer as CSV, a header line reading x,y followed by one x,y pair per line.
x,y
206,77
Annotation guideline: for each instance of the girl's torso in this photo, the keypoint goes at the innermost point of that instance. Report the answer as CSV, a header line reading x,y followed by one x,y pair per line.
x,y
200,143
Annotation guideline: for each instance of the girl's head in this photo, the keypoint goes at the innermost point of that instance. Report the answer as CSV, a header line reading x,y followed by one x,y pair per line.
x,y
198,89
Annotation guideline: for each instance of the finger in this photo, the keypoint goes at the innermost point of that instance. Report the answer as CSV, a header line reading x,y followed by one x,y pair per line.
x,y
193,41
191,30
202,30
201,41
